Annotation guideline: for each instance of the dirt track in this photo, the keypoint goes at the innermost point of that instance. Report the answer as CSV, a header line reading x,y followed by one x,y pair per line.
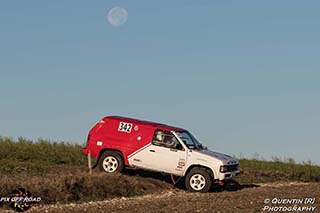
x,y
248,199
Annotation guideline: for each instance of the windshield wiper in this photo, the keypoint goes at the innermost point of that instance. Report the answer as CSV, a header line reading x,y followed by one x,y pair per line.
x,y
197,147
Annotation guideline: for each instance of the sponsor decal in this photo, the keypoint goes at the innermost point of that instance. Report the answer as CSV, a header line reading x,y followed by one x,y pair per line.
x,y
181,163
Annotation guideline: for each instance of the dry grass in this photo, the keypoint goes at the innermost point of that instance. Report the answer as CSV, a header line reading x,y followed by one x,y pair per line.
x,y
257,171
57,172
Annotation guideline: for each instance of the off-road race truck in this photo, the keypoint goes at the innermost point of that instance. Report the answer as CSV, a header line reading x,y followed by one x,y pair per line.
x,y
120,142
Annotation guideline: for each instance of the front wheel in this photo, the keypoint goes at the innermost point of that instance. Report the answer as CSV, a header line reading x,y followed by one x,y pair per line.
x,y
111,162
198,180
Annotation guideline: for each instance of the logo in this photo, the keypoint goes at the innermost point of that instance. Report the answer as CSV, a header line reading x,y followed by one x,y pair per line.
x,y
21,200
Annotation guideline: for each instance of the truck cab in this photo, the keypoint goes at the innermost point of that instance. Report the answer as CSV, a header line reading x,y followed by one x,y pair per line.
x,y
119,142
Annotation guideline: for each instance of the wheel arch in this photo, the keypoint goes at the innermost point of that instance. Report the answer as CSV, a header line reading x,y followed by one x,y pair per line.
x,y
113,150
211,171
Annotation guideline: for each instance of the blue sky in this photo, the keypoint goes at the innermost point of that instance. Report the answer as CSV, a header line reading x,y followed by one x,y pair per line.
x,y
243,76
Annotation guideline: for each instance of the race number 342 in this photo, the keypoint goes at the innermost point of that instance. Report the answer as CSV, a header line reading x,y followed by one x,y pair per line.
x,y
125,127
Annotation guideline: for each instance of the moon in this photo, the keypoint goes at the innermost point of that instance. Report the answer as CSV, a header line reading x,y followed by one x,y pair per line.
x,y
117,16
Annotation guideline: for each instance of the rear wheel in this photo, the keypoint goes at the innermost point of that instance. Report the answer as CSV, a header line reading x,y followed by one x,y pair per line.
x,y
198,180
111,162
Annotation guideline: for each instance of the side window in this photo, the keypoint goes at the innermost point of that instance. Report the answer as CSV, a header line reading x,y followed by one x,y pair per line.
x,y
166,139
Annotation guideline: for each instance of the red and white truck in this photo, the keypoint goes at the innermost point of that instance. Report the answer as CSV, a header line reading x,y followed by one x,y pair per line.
x,y
119,142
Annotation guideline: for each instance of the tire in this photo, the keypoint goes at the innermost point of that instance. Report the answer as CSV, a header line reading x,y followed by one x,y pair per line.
x,y
111,162
198,180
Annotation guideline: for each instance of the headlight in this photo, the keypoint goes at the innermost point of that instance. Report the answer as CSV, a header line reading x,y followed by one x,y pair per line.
x,y
223,169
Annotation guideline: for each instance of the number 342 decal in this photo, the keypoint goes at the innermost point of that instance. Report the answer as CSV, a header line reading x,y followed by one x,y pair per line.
x,y
125,127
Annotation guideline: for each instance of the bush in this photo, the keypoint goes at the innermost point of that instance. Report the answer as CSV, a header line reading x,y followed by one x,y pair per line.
x,y
41,151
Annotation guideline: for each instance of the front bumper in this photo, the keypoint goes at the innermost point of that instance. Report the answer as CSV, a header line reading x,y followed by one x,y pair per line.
x,y
228,175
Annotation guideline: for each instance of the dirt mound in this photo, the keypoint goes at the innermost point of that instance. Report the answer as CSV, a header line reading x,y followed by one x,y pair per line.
x,y
62,188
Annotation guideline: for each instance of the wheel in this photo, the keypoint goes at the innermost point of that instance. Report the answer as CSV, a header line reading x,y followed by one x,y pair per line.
x,y
111,162
198,180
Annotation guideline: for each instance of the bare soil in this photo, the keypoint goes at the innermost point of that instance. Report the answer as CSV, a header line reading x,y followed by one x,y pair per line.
x,y
250,198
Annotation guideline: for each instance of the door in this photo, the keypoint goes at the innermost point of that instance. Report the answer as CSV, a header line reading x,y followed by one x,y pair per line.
x,y
164,153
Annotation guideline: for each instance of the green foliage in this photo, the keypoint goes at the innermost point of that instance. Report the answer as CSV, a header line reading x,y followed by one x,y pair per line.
x,y
40,151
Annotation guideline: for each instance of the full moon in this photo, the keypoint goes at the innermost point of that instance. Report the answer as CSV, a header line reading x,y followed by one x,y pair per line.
x,y
117,16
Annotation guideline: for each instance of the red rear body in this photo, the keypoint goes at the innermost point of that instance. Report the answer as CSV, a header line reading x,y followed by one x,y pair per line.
x,y
122,134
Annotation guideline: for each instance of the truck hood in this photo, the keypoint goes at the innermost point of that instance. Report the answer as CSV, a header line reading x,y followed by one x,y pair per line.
x,y
226,159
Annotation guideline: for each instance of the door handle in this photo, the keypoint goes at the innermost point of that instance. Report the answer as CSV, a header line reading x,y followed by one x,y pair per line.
x,y
152,150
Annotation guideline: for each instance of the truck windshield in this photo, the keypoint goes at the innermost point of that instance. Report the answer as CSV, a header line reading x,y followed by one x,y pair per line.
x,y
190,141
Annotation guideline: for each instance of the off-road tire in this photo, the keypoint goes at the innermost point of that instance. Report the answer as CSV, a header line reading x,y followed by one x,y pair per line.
x,y
111,162
198,180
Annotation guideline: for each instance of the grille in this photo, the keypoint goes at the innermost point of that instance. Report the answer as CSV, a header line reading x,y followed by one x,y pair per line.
x,y
231,168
